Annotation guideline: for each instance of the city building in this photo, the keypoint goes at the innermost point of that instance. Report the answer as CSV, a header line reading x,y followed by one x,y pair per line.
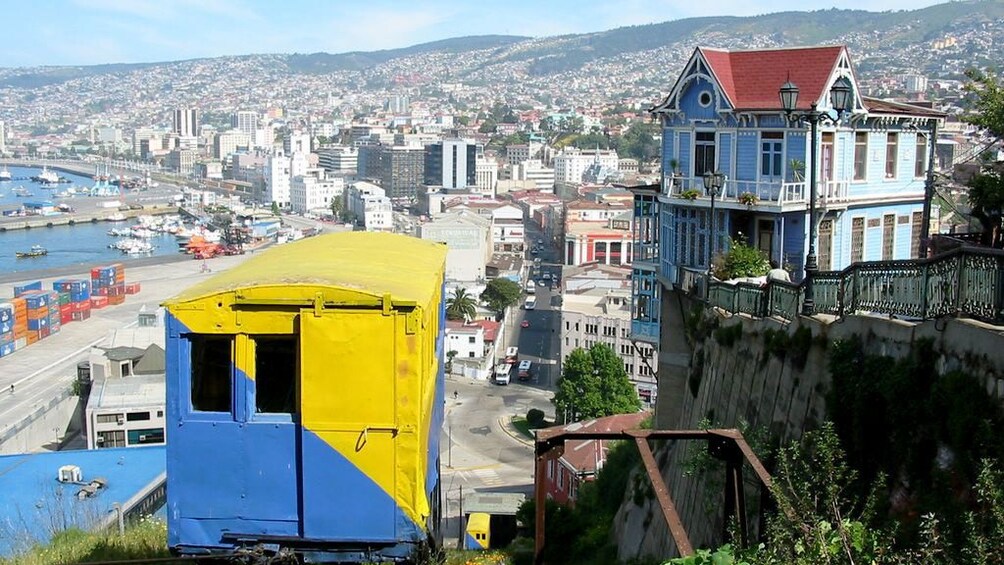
x,y
186,122
277,180
724,114
401,171
314,191
567,469
227,142
246,122
571,163
295,141
468,238
339,158
182,161
596,308
486,171
451,164
3,138
370,205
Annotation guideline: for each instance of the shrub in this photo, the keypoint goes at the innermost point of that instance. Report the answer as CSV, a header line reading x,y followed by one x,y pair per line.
x,y
742,260
535,418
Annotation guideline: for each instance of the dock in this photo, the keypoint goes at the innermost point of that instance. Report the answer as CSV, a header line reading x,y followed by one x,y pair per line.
x,y
91,216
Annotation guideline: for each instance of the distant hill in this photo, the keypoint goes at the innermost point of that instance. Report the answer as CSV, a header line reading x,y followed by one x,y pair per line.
x,y
902,36
359,60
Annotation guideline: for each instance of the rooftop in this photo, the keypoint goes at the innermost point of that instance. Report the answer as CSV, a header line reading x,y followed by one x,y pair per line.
x,y
588,455
127,392
33,498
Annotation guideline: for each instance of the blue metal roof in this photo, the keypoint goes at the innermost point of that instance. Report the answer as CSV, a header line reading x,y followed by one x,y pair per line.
x,y
36,504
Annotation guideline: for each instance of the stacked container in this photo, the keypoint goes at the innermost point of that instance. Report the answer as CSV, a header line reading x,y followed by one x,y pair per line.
x,y
109,282
26,288
20,322
37,303
6,329
74,299
55,323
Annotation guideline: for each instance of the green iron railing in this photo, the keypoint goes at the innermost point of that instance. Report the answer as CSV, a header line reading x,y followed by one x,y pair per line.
x,y
966,282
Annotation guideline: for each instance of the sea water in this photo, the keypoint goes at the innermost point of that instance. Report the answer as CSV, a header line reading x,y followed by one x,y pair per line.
x,y
84,244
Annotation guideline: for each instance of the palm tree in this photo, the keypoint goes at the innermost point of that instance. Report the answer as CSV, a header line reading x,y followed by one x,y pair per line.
x,y
461,306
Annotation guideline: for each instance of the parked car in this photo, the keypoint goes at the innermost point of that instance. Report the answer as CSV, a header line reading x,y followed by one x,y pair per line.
x,y
525,324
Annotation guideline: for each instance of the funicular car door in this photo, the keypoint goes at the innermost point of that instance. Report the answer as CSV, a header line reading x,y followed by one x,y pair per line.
x,y
348,407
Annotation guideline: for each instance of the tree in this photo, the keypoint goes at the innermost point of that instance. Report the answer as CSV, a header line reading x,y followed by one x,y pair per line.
x,y
986,196
594,384
500,294
986,190
461,306
337,207
275,208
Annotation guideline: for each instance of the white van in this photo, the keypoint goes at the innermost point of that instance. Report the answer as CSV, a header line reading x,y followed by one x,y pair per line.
x,y
530,287
523,372
530,303
503,372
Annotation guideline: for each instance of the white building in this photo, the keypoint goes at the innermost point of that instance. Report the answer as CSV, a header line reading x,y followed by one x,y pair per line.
x,y
314,191
471,347
596,308
571,163
298,163
339,158
534,171
227,142
277,180
486,175
371,206
295,141
186,122
246,122
468,241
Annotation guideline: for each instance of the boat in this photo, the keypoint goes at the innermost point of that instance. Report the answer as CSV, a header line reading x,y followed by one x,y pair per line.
x,y
5,174
21,192
46,177
116,217
36,251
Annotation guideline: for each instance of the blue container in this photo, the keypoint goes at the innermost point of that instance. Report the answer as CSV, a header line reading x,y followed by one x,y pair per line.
x,y
6,312
24,288
38,324
6,349
80,295
7,326
36,300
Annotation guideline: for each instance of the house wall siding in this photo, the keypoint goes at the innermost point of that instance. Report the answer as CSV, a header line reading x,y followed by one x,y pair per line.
x,y
725,153
873,235
746,155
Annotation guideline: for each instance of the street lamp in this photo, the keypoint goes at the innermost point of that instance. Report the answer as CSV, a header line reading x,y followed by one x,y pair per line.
x,y
713,183
840,100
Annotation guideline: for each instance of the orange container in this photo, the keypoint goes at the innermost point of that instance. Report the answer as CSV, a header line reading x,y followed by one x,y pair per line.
x,y
32,337
117,299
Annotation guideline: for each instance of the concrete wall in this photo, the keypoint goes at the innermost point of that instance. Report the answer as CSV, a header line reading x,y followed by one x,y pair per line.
x,y
45,427
743,383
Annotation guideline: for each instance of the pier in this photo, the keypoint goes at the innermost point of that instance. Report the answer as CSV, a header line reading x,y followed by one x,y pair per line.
x,y
91,216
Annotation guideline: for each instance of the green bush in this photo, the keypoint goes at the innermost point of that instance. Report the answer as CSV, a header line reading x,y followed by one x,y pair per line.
x,y
535,418
741,260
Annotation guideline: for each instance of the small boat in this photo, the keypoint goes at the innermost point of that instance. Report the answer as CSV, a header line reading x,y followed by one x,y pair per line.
x,y
36,251
21,192
116,217
5,174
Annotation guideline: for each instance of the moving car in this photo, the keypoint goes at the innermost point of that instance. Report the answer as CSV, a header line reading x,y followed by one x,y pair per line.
x,y
525,324
523,372
503,372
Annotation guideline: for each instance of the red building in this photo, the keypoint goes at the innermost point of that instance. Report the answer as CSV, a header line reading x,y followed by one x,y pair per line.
x,y
583,458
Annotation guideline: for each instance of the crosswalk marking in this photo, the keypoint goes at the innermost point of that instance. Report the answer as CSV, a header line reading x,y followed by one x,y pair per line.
x,y
488,476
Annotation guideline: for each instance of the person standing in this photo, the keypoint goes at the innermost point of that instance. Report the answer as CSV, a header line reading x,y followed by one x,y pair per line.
x,y
776,273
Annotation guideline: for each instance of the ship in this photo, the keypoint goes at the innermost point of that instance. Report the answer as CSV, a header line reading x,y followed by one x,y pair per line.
x,y
36,251
5,174
46,177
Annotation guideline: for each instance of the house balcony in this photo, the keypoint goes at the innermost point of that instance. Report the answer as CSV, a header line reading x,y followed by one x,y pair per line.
x,y
767,196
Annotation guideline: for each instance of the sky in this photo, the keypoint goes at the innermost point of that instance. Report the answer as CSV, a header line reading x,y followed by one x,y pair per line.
x,y
88,32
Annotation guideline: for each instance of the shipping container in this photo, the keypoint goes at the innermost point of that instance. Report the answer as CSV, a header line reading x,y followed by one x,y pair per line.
x,y
99,302
27,287
81,315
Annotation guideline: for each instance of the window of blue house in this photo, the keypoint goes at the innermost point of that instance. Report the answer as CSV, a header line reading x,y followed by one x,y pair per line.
x,y
771,154
860,154
704,153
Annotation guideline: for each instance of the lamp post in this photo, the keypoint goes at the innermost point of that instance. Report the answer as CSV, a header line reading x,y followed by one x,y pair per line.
x,y
713,183
840,99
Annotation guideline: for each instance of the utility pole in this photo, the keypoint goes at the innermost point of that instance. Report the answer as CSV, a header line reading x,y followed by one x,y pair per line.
x,y
460,526
925,226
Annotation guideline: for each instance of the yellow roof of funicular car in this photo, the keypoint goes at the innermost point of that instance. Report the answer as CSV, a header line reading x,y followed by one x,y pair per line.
x,y
408,268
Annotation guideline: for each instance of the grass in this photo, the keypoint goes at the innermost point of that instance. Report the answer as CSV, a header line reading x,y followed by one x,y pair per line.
x,y
523,426
144,540
147,539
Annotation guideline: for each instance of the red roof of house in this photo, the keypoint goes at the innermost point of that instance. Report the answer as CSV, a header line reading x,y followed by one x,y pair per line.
x,y
583,455
491,329
752,79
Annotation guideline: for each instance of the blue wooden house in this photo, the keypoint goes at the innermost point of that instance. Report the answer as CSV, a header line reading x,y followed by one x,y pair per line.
x,y
724,115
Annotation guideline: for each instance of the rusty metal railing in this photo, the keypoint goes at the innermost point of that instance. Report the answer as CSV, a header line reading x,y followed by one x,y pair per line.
x,y
727,445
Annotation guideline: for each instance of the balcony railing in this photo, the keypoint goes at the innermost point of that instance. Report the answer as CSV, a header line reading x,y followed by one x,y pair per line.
x,y
967,282
765,192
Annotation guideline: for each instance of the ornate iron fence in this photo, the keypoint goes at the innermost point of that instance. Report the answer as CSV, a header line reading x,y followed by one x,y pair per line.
x,y
966,282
